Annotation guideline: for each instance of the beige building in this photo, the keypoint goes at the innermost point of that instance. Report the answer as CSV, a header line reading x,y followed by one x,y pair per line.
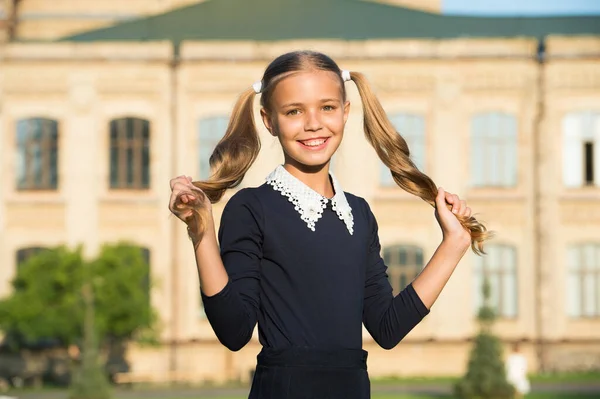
x,y
92,127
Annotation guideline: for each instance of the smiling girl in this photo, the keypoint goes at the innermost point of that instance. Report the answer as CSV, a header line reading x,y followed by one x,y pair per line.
x,y
298,255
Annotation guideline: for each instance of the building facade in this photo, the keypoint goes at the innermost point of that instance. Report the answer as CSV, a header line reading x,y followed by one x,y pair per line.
x,y
92,131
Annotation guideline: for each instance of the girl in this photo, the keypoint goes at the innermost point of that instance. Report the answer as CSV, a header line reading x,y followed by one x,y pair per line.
x,y
300,256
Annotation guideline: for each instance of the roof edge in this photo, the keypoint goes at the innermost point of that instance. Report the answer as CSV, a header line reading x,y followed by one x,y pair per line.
x,y
368,49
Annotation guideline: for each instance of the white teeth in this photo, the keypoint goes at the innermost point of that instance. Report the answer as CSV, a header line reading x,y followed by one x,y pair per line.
x,y
313,143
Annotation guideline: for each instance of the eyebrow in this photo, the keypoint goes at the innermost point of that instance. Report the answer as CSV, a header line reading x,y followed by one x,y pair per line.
x,y
325,100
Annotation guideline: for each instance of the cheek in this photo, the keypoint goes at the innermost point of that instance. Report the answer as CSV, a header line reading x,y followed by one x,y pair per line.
x,y
288,128
336,123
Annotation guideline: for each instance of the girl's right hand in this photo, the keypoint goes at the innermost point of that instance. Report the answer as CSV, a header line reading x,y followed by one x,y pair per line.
x,y
185,197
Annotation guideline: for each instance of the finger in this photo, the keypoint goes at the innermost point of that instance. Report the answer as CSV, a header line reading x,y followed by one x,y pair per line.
x,y
449,197
179,197
190,185
467,212
455,203
440,200
183,186
460,207
176,180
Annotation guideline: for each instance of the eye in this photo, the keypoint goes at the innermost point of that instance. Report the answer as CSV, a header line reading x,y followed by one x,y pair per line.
x,y
329,108
293,112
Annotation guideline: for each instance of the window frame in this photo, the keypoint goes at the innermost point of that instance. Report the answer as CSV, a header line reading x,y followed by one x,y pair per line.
x,y
49,153
579,128
497,279
407,270
500,142
134,173
583,278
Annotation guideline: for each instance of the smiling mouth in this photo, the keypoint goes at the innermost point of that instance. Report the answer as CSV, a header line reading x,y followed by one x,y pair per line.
x,y
314,143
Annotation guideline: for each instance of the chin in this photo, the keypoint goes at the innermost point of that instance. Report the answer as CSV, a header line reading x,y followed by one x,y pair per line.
x,y
311,163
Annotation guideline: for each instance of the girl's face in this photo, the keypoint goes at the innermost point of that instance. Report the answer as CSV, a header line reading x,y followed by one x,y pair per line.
x,y
307,112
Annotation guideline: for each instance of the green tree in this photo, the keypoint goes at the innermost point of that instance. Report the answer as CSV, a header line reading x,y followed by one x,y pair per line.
x,y
486,375
90,380
46,300
121,282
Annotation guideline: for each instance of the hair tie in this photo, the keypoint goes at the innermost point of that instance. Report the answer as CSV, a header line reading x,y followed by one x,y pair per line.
x,y
346,75
257,86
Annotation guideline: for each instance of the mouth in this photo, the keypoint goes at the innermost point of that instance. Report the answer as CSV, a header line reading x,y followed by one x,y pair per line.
x,y
314,144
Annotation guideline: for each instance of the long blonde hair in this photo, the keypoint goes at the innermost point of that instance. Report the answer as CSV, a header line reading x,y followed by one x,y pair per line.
x,y
238,149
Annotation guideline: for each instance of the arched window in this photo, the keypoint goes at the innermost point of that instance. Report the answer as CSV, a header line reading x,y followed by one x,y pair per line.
x,y
404,263
583,281
129,153
412,129
210,132
494,150
37,154
24,254
581,149
499,267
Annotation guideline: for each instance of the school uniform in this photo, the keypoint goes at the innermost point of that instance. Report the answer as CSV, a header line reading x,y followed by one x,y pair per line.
x,y
309,271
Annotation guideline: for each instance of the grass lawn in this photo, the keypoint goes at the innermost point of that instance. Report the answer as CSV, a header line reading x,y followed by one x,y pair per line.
x,y
532,396
59,394
578,377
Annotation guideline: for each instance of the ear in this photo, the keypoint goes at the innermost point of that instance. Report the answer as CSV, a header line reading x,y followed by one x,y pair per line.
x,y
346,111
266,118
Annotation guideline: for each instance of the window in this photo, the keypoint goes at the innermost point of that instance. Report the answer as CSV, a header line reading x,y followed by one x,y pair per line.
x,y
583,281
404,263
412,129
37,154
494,150
581,149
24,254
588,162
129,154
499,267
211,131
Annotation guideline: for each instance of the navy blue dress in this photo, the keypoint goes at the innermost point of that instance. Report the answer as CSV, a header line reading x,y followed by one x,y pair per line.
x,y
310,292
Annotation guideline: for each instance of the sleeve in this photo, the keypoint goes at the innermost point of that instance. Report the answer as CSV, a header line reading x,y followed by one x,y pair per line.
x,y
387,318
233,312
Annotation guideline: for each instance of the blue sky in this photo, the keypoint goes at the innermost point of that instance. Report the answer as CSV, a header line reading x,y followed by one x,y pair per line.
x,y
522,7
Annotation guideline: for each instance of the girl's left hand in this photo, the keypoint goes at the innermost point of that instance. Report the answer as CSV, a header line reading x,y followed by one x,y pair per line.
x,y
451,226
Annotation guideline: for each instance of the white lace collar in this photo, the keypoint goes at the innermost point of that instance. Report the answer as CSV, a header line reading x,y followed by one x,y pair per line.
x,y
307,202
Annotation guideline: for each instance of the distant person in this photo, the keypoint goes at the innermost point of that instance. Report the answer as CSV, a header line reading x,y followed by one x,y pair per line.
x,y
299,255
516,371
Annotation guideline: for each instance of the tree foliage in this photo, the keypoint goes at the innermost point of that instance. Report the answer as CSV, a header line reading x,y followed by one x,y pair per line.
x,y
46,301
47,295
486,375
90,380
121,283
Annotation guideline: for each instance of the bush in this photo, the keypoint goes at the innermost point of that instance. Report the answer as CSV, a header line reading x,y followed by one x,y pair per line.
x,y
486,375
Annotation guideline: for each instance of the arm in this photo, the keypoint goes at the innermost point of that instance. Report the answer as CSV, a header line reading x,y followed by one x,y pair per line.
x,y
387,318
454,245
230,278
430,282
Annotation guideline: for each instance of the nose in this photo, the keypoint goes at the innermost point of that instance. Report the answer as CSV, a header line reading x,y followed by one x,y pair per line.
x,y
312,121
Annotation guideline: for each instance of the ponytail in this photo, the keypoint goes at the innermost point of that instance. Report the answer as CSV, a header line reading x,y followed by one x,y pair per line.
x,y
230,160
394,153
